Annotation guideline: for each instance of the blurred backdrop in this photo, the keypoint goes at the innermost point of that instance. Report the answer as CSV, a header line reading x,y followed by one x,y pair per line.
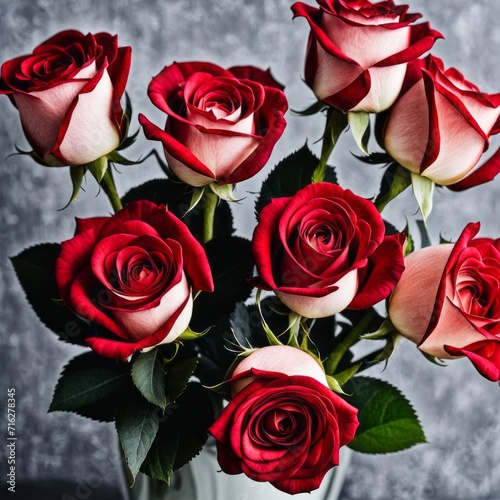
x,y
458,408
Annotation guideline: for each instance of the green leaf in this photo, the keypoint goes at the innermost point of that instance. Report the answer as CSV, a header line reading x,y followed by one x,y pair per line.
x,y
86,380
423,188
387,421
98,168
191,421
35,270
395,180
148,377
360,127
291,174
182,433
159,461
231,262
177,375
137,423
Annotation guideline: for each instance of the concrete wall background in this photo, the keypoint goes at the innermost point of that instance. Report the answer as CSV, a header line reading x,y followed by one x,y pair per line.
x,y
459,409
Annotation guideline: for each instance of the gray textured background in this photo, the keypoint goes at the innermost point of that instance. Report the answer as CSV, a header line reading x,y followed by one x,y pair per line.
x,y
458,408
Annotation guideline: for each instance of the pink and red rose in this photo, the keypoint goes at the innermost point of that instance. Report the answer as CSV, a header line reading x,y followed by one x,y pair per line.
x,y
283,424
324,250
132,275
440,126
358,51
221,124
448,301
68,95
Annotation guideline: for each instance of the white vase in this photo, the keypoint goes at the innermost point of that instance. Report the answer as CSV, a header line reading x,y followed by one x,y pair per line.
x,y
201,479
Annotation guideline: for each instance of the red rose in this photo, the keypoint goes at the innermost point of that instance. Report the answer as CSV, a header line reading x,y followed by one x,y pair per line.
x,y
440,126
68,96
448,301
357,51
324,250
132,275
283,425
221,125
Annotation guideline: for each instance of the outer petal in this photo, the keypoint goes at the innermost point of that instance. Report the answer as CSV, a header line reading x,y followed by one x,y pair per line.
x,y
140,324
89,129
42,113
412,301
485,173
263,238
221,153
452,327
484,355
115,348
280,358
184,163
272,123
325,305
467,234
380,276
407,128
89,223
73,258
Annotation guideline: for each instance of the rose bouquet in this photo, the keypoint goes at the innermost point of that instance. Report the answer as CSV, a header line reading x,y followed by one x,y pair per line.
x,y
192,331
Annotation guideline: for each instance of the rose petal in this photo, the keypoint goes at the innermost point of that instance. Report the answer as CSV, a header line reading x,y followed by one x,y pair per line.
x,y
91,130
140,324
282,358
327,305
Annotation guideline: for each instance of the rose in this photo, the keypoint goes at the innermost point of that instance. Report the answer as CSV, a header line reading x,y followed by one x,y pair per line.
x,y
283,424
132,275
324,250
448,301
440,126
221,125
68,96
357,51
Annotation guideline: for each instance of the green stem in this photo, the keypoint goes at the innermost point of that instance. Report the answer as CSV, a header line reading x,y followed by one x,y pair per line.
x,y
336,122
108,185
211,201
352,337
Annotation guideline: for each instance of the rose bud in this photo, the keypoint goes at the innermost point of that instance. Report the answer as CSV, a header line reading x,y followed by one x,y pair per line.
x,y
68,96
324,250
448,301
357,51
440,126
221,124
132,275
283,424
